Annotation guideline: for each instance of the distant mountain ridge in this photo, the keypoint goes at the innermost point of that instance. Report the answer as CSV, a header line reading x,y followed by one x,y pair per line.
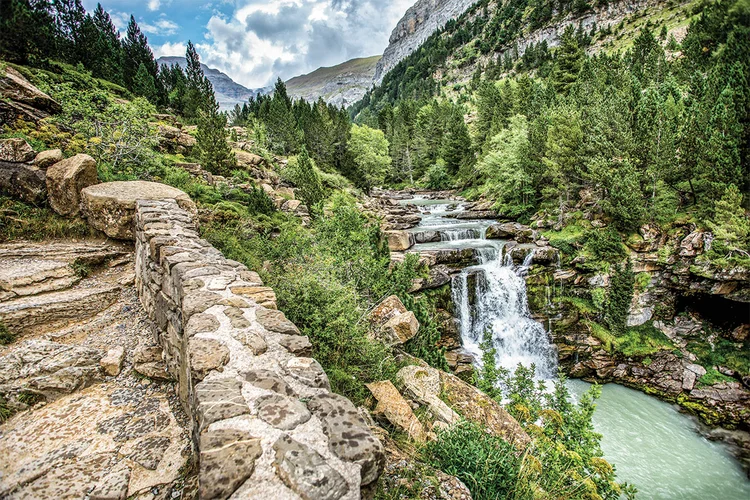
x,y
228,92
340,85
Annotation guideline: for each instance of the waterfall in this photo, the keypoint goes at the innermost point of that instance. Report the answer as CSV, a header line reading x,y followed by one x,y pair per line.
x,y
458,234
501,309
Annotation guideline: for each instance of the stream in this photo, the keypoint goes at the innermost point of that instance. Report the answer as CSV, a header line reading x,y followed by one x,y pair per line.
x,y
653,446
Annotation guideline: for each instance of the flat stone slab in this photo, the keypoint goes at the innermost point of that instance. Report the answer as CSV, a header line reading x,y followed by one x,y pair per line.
x,y
20,277
110,206
25,313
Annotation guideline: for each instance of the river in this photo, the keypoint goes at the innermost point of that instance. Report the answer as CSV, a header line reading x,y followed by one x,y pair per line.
x,y
653,446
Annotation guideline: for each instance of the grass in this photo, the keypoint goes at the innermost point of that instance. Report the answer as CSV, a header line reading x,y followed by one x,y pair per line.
x,y
81,269
712,376
21,221
602,333
721,353
642,341
5,411
6,337
567,240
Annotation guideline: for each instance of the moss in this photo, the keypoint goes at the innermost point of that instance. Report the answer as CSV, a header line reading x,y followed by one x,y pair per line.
x,y
601,333
712,376
642,341
709,416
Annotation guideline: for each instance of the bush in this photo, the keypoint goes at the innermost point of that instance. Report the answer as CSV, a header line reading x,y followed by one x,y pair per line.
x,y
605,245
437,176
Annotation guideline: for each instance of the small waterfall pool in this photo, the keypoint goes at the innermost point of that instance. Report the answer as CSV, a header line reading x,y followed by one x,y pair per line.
x,y
654,447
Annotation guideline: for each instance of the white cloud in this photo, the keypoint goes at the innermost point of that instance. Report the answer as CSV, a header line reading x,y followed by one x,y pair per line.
x,y
170,49
162,27
265,39
154,4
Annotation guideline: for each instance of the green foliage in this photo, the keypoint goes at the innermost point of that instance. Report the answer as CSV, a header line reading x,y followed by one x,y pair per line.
x,y
619,297
721,352
437,176
325,278
712,376
730,225
564,456
6,337
215,153
5,411
424,344
81,268
642,341
20,221
605,245
369,149
302,173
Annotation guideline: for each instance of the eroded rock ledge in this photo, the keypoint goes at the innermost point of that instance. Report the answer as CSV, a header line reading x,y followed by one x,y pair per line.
x,y
265,423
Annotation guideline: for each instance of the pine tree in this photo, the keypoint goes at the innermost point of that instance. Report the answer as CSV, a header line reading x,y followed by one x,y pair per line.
x,y
143,84
306,179
198,90
620,296
107,49
568,59
729,223
215,153
136,52
27,30
457,151
284,134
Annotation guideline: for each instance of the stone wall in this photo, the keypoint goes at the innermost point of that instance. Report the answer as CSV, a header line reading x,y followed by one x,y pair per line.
x,y
265,423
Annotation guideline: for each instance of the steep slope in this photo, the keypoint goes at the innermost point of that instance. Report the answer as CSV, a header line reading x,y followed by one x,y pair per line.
x,y
340,85
420,21
228,92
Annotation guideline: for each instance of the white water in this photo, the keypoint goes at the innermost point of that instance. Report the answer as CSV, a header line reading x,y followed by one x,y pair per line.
x,y
500,309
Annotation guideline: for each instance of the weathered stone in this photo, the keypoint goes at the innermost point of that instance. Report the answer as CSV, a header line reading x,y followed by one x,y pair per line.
x,y
423,384
692,244
113,486
46,159
262,295
111,363
201,323
268,380
206,355
66,179
23,100
219,399
309,372
25,314
275,321
741,333
401,328
246,159
387,309
227,459
23,181
349,436
395,408
282,412
398,241
150,450
691,373
253,341
15,151
197,302
477,407
49,368
237,317
299,345
511,230
110,206
306,472
149,361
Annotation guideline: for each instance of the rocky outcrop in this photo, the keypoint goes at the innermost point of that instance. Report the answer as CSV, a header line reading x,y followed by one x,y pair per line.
x,y
420,21
110,207
258,409
21,100
18,177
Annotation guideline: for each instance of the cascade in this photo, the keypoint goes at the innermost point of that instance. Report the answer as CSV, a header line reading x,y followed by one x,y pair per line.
x,y
501,311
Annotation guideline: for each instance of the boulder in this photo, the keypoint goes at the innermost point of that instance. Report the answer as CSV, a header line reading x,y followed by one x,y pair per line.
x,y
692,244
110,206
66,179
23,181
394,324
423,385
245,159
15,151
111,363
398,241
393,406
46,159
23,100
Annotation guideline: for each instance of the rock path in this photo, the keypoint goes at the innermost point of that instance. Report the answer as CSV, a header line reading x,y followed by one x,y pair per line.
x,y
82,432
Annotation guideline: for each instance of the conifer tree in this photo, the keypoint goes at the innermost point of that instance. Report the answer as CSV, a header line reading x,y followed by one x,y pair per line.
x,y
307,180
106,53
568,60
143,84
215,153
27,30
284,135
136,52
198,90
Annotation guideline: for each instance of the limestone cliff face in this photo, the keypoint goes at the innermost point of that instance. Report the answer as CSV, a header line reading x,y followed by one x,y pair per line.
x,y
420,21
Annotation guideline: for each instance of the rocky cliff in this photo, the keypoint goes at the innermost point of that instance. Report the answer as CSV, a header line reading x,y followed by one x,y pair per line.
x,y
340,85
420,21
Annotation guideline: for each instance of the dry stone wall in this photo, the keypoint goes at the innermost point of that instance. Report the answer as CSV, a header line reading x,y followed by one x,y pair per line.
x,y
265,422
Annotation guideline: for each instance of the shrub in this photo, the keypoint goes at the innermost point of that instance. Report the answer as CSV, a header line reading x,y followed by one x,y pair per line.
x,y
619,297
6,337
605,244
437,176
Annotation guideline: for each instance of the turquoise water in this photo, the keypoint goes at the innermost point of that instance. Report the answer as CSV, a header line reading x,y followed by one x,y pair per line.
x,y
659,450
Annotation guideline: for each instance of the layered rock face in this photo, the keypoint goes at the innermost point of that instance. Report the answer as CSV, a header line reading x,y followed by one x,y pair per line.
x,y
420,21
340,85
243,373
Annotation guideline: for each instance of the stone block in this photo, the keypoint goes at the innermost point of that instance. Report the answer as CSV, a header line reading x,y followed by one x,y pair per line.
x,y
65,181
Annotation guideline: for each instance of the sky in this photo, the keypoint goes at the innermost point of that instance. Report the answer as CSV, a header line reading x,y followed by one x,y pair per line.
x,y
254,41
